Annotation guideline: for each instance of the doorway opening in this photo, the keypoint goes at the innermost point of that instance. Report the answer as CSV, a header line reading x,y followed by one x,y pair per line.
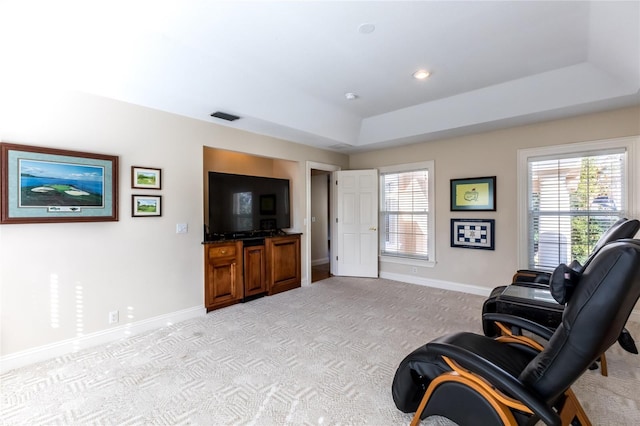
x,y
320,225
319,220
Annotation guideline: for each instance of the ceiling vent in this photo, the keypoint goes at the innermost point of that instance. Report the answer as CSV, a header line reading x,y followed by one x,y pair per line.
x,y
224,116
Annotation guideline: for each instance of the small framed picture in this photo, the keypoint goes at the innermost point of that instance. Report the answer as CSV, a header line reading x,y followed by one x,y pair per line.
x,y
473,233
477,194
146,205
146,178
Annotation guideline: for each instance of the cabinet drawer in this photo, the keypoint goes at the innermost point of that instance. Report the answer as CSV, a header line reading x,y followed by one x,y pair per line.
x,y
222,251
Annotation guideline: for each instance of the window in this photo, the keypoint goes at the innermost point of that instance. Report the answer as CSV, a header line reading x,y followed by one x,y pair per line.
x,y
406,211
243,210
572,197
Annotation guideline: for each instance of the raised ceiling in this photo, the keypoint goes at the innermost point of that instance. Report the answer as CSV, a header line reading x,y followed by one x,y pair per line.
x,y
284,67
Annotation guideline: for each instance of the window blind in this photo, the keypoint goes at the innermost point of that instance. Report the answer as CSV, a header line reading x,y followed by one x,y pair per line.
x,y
572,201
404,214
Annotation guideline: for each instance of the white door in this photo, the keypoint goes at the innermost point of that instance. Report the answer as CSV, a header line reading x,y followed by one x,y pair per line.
x,y
356,223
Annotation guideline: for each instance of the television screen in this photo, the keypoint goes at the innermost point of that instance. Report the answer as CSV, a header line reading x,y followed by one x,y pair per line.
x,y
241,204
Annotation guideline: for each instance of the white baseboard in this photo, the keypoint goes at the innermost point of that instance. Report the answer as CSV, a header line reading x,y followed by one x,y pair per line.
x,y
63,347
317,262
464,288
445,285
53,350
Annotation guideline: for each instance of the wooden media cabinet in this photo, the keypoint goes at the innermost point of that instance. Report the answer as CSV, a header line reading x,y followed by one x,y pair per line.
x,y
240,270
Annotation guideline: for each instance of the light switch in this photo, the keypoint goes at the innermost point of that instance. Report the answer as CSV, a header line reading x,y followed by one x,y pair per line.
x,y
182,228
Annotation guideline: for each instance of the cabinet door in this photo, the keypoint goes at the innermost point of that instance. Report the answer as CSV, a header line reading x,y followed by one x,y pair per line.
x,y
222,282
255,273
283,254
223,276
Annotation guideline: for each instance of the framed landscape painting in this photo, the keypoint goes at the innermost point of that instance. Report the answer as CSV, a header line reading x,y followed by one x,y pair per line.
x,y
145,178
41,185
146,205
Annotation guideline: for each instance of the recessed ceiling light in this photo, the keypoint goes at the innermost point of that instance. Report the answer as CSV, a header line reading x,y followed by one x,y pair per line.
x,y
421,74
366,28
350,96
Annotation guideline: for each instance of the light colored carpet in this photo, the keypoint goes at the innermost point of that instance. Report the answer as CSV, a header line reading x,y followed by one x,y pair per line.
x,y
324,354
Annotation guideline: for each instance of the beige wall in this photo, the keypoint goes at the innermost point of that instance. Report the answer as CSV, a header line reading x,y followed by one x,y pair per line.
x,y
58,282
488,154
224,161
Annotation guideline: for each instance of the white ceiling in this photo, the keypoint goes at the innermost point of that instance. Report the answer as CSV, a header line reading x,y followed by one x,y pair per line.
x,y
284,67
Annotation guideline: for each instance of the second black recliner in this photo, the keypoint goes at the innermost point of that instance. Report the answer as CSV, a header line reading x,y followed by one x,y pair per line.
x,y
547,309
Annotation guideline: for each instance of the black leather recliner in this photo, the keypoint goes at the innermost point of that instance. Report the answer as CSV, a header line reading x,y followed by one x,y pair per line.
x,y
512,379
549,314
622,228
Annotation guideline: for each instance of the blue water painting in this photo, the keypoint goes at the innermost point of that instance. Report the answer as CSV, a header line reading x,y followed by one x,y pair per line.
x,y
44,183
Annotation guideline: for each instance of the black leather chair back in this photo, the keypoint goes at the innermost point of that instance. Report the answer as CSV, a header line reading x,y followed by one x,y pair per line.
x,y
592,320
623,228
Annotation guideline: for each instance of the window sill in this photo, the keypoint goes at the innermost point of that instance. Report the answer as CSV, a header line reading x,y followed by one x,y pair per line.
x,y
408,261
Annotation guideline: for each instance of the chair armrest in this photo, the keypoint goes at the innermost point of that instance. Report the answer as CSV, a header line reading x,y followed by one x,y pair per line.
x,y
531,284
531,275
498,377
531,326
533,271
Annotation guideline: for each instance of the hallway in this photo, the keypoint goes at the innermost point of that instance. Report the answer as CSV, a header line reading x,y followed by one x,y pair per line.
x,y
320,272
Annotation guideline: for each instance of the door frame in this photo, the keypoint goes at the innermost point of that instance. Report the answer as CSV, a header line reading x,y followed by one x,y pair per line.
x,y
307,217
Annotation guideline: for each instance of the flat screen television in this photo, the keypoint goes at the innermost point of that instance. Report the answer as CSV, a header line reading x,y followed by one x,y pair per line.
x,y
241,205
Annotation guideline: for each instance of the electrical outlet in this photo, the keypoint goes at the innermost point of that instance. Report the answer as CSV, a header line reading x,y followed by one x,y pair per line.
x,y
114,317
414,270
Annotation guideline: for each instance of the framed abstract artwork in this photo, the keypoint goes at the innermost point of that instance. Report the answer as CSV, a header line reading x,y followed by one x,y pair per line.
x,y
473,233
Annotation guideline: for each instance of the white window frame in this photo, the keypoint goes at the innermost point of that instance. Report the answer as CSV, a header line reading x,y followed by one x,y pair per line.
x,y
632,162
431,246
